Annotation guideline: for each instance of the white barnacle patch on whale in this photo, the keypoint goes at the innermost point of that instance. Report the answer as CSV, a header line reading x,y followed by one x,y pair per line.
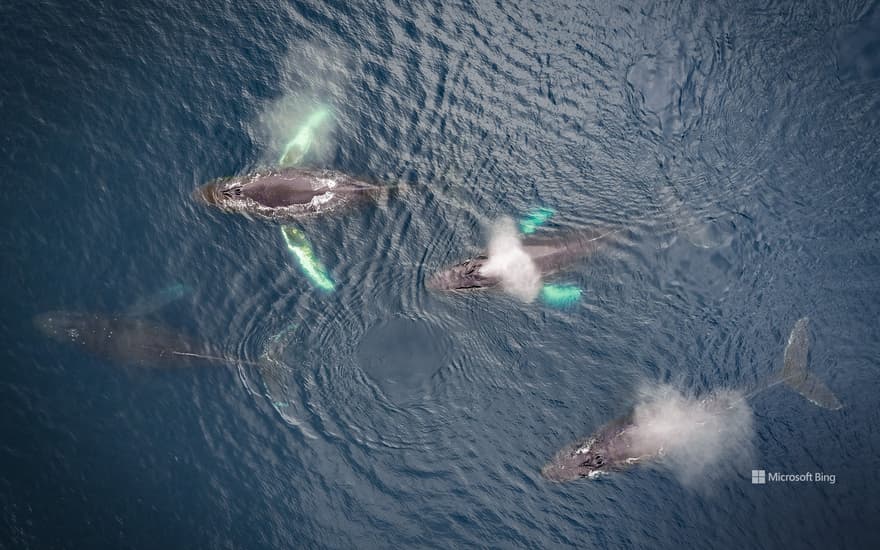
x,y
319,200
586,447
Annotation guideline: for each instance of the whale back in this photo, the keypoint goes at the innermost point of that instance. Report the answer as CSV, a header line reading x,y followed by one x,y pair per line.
x,y
121,339
300,187
289,193
554,253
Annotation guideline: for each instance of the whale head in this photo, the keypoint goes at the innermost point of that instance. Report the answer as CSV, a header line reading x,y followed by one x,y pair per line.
x,y
466,275
577,461
224,192
63,326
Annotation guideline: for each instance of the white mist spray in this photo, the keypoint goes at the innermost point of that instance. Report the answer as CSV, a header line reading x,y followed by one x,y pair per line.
x,y
510,263
696,436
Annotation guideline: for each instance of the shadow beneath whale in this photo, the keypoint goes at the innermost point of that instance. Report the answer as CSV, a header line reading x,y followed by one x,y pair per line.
x,y
401,355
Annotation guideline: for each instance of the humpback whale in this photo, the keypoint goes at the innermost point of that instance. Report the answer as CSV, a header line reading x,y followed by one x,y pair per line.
x,y
547,254
288,193
126,340
632,439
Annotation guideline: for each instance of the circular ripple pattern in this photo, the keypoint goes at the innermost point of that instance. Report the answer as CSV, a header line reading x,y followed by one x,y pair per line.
x,y
735,144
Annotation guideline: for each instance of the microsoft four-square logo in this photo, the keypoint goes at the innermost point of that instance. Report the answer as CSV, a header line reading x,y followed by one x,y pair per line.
x,y
759,477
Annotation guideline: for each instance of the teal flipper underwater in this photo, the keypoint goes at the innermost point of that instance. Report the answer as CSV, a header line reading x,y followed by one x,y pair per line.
x,y
535,219
294,152
306,258
560,295
297,148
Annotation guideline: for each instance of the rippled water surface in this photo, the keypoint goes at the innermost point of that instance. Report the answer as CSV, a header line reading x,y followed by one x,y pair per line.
x,y
737,143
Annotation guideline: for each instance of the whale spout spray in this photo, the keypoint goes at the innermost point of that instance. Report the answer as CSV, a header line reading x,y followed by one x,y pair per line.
x,y
689,433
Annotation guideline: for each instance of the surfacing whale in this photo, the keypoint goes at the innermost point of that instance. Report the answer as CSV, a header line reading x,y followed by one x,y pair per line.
x,y
548,254
623,442
127,340
289,193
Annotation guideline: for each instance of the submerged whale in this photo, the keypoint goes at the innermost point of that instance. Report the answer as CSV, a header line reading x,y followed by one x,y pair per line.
x,y
126,340
548,255
623,443
289,193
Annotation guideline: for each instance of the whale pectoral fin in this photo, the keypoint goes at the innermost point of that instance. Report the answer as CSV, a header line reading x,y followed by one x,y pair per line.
x,y
560,295
535,219
298,147
305,256
317,118
158,300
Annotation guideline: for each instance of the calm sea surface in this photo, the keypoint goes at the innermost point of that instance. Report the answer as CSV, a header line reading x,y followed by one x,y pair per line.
x,y
739,142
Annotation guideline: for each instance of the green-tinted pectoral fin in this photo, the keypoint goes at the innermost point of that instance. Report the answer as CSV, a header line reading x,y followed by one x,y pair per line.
x,y
294,152
535,219
560,295
306,258
298,147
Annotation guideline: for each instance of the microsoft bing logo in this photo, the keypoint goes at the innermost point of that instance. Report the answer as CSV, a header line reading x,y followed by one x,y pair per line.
x,y
759,477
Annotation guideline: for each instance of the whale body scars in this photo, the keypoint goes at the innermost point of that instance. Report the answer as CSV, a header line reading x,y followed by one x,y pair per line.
x,y
288,193
611,448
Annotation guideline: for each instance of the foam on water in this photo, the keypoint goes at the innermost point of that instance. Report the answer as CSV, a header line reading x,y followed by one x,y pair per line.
x,y
509,262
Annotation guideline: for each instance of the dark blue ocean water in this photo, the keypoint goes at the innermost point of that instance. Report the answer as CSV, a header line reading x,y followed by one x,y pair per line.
x,y
740,141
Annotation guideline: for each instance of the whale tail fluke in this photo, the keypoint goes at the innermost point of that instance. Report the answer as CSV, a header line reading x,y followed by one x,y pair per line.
x,y
794,369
